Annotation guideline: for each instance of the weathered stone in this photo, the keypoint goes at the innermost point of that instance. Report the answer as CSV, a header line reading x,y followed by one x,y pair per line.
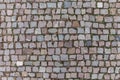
x,y
2,6
42,69
19,63
67,4
68,44
52,30
76,24
99,4
40,38
51,5
88,43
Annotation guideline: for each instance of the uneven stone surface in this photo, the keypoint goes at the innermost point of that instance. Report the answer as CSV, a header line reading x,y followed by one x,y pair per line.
x,y
59,39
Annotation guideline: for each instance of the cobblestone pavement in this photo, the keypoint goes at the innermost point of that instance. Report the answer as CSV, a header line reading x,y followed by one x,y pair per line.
x,y
59,39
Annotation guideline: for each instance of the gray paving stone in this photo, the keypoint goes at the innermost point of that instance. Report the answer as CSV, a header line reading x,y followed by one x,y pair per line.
x,y
67,4
68,44
64,57
88,43
2,6
51,5
40,38
59,39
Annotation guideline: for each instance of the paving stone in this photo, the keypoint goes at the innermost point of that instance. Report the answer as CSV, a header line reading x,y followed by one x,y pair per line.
x,y
64,57
52,30
81,37
59,39
18,45
19,63
96,38
68,44
40,38
55,69
55,57
104,37
112,0
6,58
116,18
88,43
9,12
2,69
73,31
42,69
76,24
94,76
42,24
71,51
67,4
51,5
43,5
14,58
99,4
108,19
3,6
45,75
104,11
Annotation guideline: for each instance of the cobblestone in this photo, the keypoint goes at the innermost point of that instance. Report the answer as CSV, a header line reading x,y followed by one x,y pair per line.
x,y
59,39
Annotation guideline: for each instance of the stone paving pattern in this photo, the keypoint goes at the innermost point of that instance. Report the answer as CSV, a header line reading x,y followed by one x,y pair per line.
x,y
59,39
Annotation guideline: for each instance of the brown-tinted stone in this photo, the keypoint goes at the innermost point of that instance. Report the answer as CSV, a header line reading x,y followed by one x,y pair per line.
x,y
76,24
27,51
71,51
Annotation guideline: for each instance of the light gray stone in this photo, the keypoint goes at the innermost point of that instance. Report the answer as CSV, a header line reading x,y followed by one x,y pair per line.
x,y
64,57
51,5
42,69
40,38
2,6
67,4
52,30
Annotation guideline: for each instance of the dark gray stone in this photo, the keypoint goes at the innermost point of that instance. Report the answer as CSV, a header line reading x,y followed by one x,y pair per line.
x,y
117,37
88,43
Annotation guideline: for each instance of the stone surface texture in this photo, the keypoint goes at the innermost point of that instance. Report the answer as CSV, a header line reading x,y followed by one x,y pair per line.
x,y
59,39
